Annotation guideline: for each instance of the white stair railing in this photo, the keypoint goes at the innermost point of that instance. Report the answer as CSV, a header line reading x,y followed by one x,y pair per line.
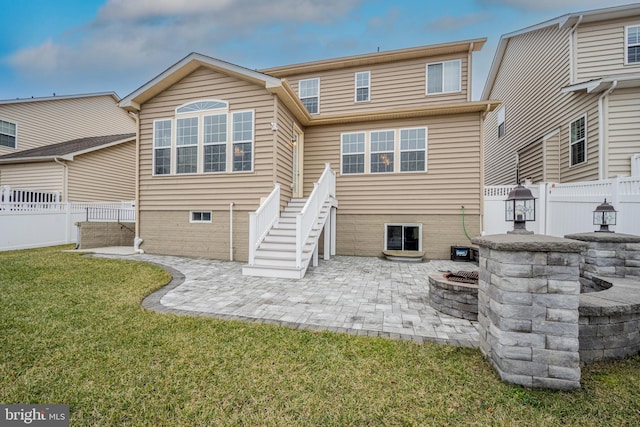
x,y
261,221
324,188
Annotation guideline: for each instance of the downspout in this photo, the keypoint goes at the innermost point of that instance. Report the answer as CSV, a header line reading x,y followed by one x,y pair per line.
x,y
571,62
601,130
469,71
483,116
137,241
231,231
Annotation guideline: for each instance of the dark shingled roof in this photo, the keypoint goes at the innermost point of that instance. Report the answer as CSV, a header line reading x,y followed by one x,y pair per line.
x,y
68,147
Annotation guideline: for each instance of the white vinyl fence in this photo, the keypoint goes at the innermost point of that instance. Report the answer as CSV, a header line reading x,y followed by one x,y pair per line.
x,y
567,208
32,225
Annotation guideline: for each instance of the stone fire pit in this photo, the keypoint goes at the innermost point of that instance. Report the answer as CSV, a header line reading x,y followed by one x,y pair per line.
x,y
455,293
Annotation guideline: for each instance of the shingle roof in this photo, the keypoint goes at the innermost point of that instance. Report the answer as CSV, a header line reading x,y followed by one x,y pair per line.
x,y
73,147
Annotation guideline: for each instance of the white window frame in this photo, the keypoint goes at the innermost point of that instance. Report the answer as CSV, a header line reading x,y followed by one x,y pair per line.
x,y
363,153
224,143
14,136
372,152
408,150
191,145
359,86
627,45
583,140
501,122
193,214
394,224
444,77
235,142
155,147
317,95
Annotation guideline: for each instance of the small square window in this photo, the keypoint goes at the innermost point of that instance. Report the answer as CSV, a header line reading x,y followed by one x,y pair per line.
x,y
200,216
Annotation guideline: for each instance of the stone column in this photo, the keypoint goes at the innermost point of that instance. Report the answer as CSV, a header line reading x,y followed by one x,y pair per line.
x,y
528,300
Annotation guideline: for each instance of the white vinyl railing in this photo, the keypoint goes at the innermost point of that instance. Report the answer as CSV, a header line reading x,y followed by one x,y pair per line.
x,y
324,188
261,221
17,195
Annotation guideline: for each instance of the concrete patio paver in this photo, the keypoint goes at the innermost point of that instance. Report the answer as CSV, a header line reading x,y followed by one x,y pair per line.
x,y
357,295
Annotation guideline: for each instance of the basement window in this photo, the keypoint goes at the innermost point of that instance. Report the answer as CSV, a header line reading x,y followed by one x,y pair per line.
x,y
403,237
200,216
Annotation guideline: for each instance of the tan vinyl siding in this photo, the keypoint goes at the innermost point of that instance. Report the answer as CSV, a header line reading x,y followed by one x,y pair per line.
x,y
104,175
210,190
47,176
42,123
531,163
171,233
452,180
363,235
284,153
529,83
601,49
552,158
623,130
392,85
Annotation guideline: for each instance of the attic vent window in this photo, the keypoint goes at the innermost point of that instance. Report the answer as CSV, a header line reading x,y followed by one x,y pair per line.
x,y
205,105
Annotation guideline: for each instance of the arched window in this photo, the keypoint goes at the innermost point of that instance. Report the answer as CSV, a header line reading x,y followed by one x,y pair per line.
x,y
204,105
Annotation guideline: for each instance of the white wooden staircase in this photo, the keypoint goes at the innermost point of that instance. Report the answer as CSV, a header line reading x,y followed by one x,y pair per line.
x,y
283,244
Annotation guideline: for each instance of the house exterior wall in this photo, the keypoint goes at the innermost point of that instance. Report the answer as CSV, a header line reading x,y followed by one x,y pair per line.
x,y
532,162
392,85
49,122
104,175
433,198
47,176
208,190
623,130
283,155
600,49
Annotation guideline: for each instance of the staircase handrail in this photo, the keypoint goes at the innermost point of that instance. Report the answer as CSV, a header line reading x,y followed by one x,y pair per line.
x,y
262,220
324,188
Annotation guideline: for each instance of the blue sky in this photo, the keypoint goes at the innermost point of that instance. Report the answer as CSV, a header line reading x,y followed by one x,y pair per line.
x,y
85,46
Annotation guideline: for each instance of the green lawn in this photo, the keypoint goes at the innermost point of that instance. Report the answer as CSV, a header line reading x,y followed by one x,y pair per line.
x,y
73,332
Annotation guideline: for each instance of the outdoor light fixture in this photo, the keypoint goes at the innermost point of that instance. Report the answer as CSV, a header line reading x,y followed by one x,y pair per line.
x,y
604,216
520,206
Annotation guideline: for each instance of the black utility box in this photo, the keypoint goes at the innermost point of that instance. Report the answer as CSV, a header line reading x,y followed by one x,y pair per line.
x,y
460,253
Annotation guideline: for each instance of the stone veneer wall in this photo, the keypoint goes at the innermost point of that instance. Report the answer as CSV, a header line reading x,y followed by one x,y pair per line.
x,y
528,301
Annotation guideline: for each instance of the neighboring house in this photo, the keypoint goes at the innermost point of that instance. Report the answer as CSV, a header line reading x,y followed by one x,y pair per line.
x,y
398,130
81,147
570,92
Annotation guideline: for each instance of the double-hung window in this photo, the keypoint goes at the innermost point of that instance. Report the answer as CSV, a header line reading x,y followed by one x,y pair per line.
x,y
8,134
413,150
382,145
578,141
187,145
353,147
363,86
444,77
162,147
632,54
215,143
309,93
242,141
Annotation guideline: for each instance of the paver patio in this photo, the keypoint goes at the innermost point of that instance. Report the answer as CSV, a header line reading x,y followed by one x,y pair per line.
x,y
357,295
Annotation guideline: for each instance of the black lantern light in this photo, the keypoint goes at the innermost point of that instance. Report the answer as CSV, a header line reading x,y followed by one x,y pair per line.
x,y
520,206
604,216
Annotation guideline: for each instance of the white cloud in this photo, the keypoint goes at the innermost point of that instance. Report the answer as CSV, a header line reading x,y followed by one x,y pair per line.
x,y
563,6
138,38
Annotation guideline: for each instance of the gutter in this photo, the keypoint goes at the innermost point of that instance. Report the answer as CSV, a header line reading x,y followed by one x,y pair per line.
x,y
65,184
601,129
571,43
137,241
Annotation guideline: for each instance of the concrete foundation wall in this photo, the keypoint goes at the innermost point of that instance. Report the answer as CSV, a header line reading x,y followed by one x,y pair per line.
x,y
102,234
